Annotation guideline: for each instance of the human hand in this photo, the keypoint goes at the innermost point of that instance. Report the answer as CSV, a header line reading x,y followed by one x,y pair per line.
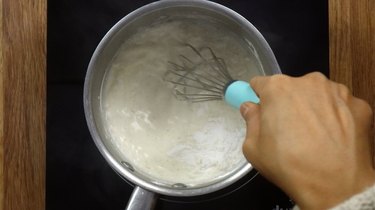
x,y
311,137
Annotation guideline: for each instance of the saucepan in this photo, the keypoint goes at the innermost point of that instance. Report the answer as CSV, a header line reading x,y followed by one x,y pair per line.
x,y
168,148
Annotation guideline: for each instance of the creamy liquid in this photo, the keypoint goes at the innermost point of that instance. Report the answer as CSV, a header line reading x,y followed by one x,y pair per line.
x,y
168,140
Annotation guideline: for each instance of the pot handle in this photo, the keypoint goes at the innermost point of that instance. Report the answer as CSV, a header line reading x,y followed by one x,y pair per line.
x,y
141,199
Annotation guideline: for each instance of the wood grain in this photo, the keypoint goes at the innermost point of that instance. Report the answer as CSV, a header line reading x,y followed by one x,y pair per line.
x,y
352,46
23,86
22,104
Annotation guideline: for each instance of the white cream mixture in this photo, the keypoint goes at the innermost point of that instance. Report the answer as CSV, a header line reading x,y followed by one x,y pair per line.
x,y
169,140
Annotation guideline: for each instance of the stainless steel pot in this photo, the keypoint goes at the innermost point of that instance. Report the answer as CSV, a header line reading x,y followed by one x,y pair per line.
x,y
144,194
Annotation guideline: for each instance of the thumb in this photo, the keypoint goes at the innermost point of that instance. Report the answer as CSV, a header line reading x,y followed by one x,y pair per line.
x,y
251,114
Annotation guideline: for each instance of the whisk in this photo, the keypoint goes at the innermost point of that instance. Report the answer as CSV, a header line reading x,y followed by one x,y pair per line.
x,y
204,77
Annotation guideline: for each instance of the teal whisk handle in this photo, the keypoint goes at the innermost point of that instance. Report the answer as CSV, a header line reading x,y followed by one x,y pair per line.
x,y
239,92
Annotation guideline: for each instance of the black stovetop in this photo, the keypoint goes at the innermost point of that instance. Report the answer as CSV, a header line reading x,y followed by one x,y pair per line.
x,y
77,175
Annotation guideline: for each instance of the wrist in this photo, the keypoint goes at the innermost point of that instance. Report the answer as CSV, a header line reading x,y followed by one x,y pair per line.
x,y
316,197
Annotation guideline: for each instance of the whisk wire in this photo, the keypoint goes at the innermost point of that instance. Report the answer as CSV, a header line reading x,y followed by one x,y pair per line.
x,y
199,97
196,77
204,80
220,65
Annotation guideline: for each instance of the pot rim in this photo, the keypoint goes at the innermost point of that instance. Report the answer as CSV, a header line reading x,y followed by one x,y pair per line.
x,y
118,167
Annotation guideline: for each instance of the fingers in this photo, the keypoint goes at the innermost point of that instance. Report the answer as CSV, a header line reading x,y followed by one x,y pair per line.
x,y
251,114
364,117
258,83
316,76
362,111
268,86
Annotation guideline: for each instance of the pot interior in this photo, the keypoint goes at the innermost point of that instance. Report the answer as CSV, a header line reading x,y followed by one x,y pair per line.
x,y
147,135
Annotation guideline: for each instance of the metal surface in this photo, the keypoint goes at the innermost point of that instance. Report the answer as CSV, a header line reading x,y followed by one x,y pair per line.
x,y
109,46
141,199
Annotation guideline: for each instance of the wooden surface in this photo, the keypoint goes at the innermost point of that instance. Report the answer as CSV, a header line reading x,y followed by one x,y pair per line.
x,y
23,86
22,104
352,46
